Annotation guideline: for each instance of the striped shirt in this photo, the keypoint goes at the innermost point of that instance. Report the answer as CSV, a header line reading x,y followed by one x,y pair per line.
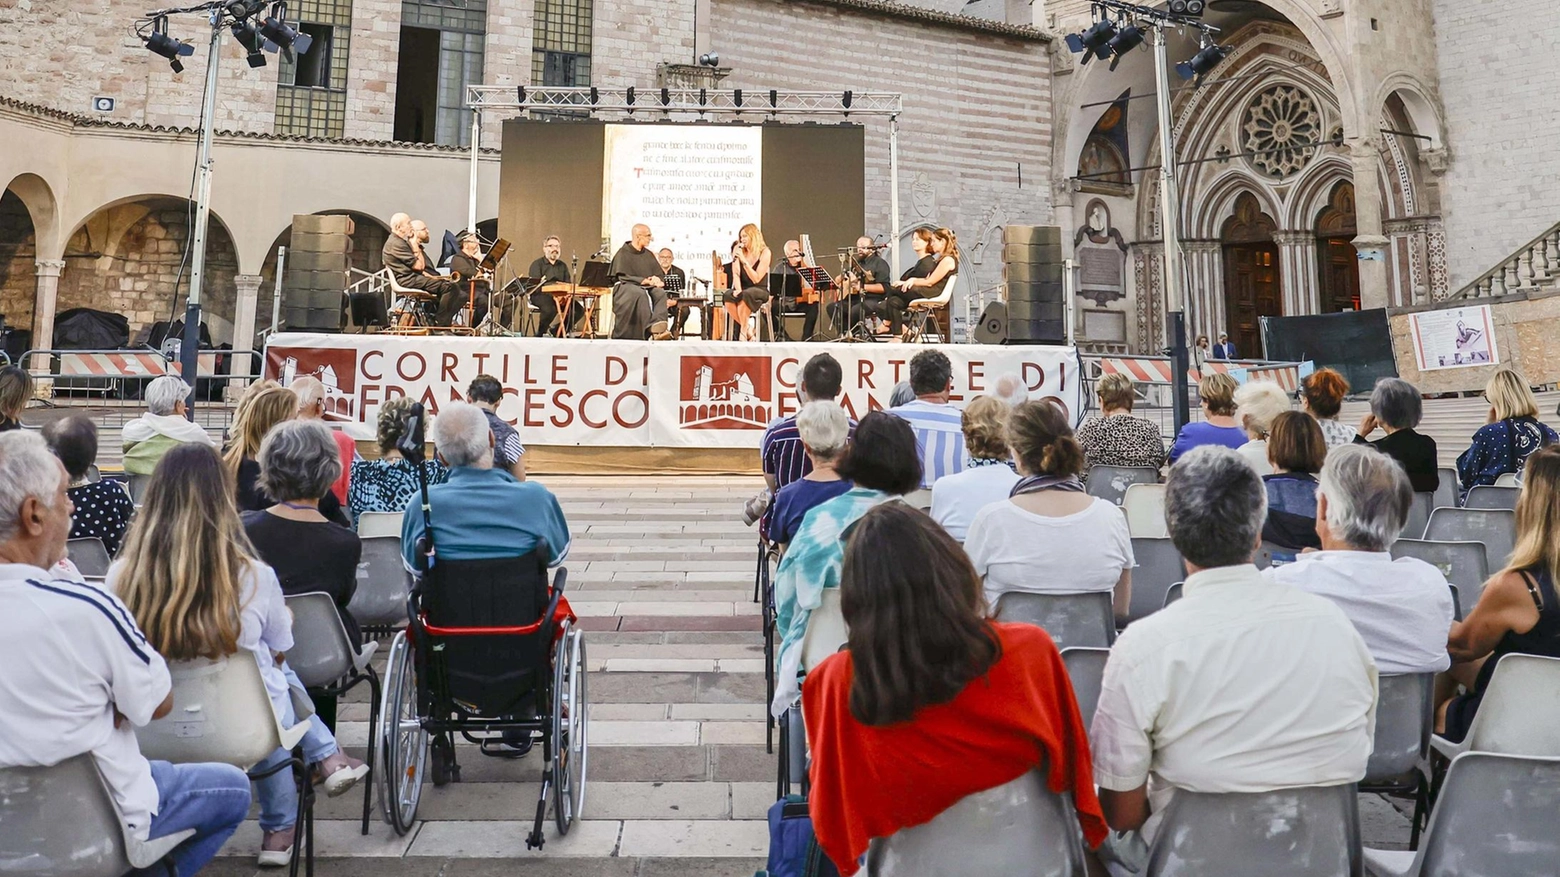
x,y
939,432
782,453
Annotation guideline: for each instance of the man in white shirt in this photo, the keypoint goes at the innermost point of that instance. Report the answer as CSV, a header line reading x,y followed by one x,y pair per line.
x,y
1402,608
1240,686
938,423
80,676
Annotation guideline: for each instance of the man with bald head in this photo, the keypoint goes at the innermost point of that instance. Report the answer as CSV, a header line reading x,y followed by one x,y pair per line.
x,y
403,255
639,298
874,274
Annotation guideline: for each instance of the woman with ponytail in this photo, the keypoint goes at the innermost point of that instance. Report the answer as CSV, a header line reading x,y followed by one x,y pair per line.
x,y
1050,536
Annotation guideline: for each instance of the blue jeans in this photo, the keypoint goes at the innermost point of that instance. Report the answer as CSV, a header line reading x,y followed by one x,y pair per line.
x,y
210,798
278,793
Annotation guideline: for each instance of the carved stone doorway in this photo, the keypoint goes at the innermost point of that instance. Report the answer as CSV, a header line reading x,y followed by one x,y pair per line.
x,y
1251,287
1339,270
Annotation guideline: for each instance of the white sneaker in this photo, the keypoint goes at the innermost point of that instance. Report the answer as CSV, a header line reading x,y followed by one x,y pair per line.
x,y
344,778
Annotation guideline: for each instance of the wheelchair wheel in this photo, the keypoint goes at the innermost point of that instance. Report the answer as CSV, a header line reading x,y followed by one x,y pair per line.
x,y
402,739
569,729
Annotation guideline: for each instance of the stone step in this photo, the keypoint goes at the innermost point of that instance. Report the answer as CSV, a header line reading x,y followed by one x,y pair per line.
x,y
658,732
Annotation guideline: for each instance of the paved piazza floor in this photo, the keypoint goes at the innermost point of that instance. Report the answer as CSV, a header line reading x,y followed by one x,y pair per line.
x,y
661,571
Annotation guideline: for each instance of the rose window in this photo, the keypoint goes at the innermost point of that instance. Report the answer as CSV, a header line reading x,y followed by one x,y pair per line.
x,y
1280,130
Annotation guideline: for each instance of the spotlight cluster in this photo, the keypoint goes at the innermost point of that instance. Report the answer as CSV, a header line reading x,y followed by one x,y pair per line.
x,y
1120,27
259,26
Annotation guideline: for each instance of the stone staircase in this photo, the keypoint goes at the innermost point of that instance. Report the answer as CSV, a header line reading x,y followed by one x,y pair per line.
x,y
1533,267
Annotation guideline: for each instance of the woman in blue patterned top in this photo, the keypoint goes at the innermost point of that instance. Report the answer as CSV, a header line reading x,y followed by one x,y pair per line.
x,y
389,483
1513,432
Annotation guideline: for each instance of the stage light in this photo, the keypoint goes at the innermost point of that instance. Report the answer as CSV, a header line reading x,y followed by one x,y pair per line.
x,y
736,97
1093,41
1193,8
1128,39
630,95
520,93
774,98
1202,62
846,100
709,59
666,96
244,31
160,43
281,36
593,95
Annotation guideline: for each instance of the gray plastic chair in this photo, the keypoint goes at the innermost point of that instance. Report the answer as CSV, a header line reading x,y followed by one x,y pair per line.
x,y
1496,528
379,524
90,556
1446,490
1086,670
1073,620
383,584
1306,832
1418,516
1457,604
1405,716
1271,554
61,821
1158,567
136,485
1519,713
1174,593
1486,497
1111,482
1463,563
1495,816
1020,829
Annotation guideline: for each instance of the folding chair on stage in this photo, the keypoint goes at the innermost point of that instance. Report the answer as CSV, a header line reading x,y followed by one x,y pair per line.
x,y
923,309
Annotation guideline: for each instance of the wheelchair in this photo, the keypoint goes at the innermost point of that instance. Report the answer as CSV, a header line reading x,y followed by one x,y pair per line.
x,y
485,657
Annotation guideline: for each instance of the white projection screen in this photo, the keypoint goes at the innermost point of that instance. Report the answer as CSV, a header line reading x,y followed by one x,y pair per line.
x,y
694,185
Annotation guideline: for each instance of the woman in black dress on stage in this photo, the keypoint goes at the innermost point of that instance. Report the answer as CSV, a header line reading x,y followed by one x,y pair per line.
x,y
895,302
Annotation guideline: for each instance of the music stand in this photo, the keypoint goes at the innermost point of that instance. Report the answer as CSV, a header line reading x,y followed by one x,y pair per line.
x,y
857,330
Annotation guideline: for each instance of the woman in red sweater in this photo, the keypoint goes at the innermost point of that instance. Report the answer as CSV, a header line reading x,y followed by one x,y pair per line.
x,y
930,701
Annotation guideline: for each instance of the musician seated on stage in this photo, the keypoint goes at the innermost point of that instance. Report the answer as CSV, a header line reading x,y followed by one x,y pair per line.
x,y
675,281
466,269
750,264
807,302
409,264
870,270
639,298
550,268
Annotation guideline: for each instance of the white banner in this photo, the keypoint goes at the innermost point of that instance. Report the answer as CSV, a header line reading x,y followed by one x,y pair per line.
x,y
1454,338
636,393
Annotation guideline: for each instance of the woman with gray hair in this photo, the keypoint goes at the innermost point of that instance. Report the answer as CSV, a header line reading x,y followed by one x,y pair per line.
x,y
824,429
1395,407
163,426
1257,404
298,464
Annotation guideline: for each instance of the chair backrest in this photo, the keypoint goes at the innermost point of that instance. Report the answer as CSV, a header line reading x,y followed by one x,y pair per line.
x,y
1111,482
1496,528
321,653
221,712
1485,497
1520,711
1305,832
1174,593
1144,506
136,484
1404,717
1463,563
1507,479
1446,488
826,631
383,583
1084,620
1158,567
921,499
1086,670
1418,516
379,524
1270,554
90,556
1019,829
1495,815
59,821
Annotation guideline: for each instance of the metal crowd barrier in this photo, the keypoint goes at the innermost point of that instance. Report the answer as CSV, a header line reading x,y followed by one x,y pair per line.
x,y
109,385
1153,378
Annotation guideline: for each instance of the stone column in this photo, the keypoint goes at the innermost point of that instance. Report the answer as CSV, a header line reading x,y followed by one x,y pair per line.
x,y
1297,272
244,326
1369,241
45,303
1205,270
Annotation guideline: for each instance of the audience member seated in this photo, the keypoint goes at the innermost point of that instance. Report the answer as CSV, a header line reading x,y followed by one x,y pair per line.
x,y
1321,396
164,425
266,410
245,399
103,509
824,430
1519,611
1402,608
901,394
311,406
882,462
1218,426
1296,450
1396,407
1116,437
16,389
1051,536
80,676
307,551
1239,686
946,703
1512,433
189,581
1257,403
481,512
389,483
487,393
780,450
987,478
937,422
1009,389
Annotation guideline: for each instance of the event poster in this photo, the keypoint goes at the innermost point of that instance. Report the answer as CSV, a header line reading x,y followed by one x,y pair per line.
x,y
636,394
694,185
1454,338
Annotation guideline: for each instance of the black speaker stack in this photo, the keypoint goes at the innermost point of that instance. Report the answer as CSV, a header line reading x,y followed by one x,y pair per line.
x,y
1035,311
318,259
